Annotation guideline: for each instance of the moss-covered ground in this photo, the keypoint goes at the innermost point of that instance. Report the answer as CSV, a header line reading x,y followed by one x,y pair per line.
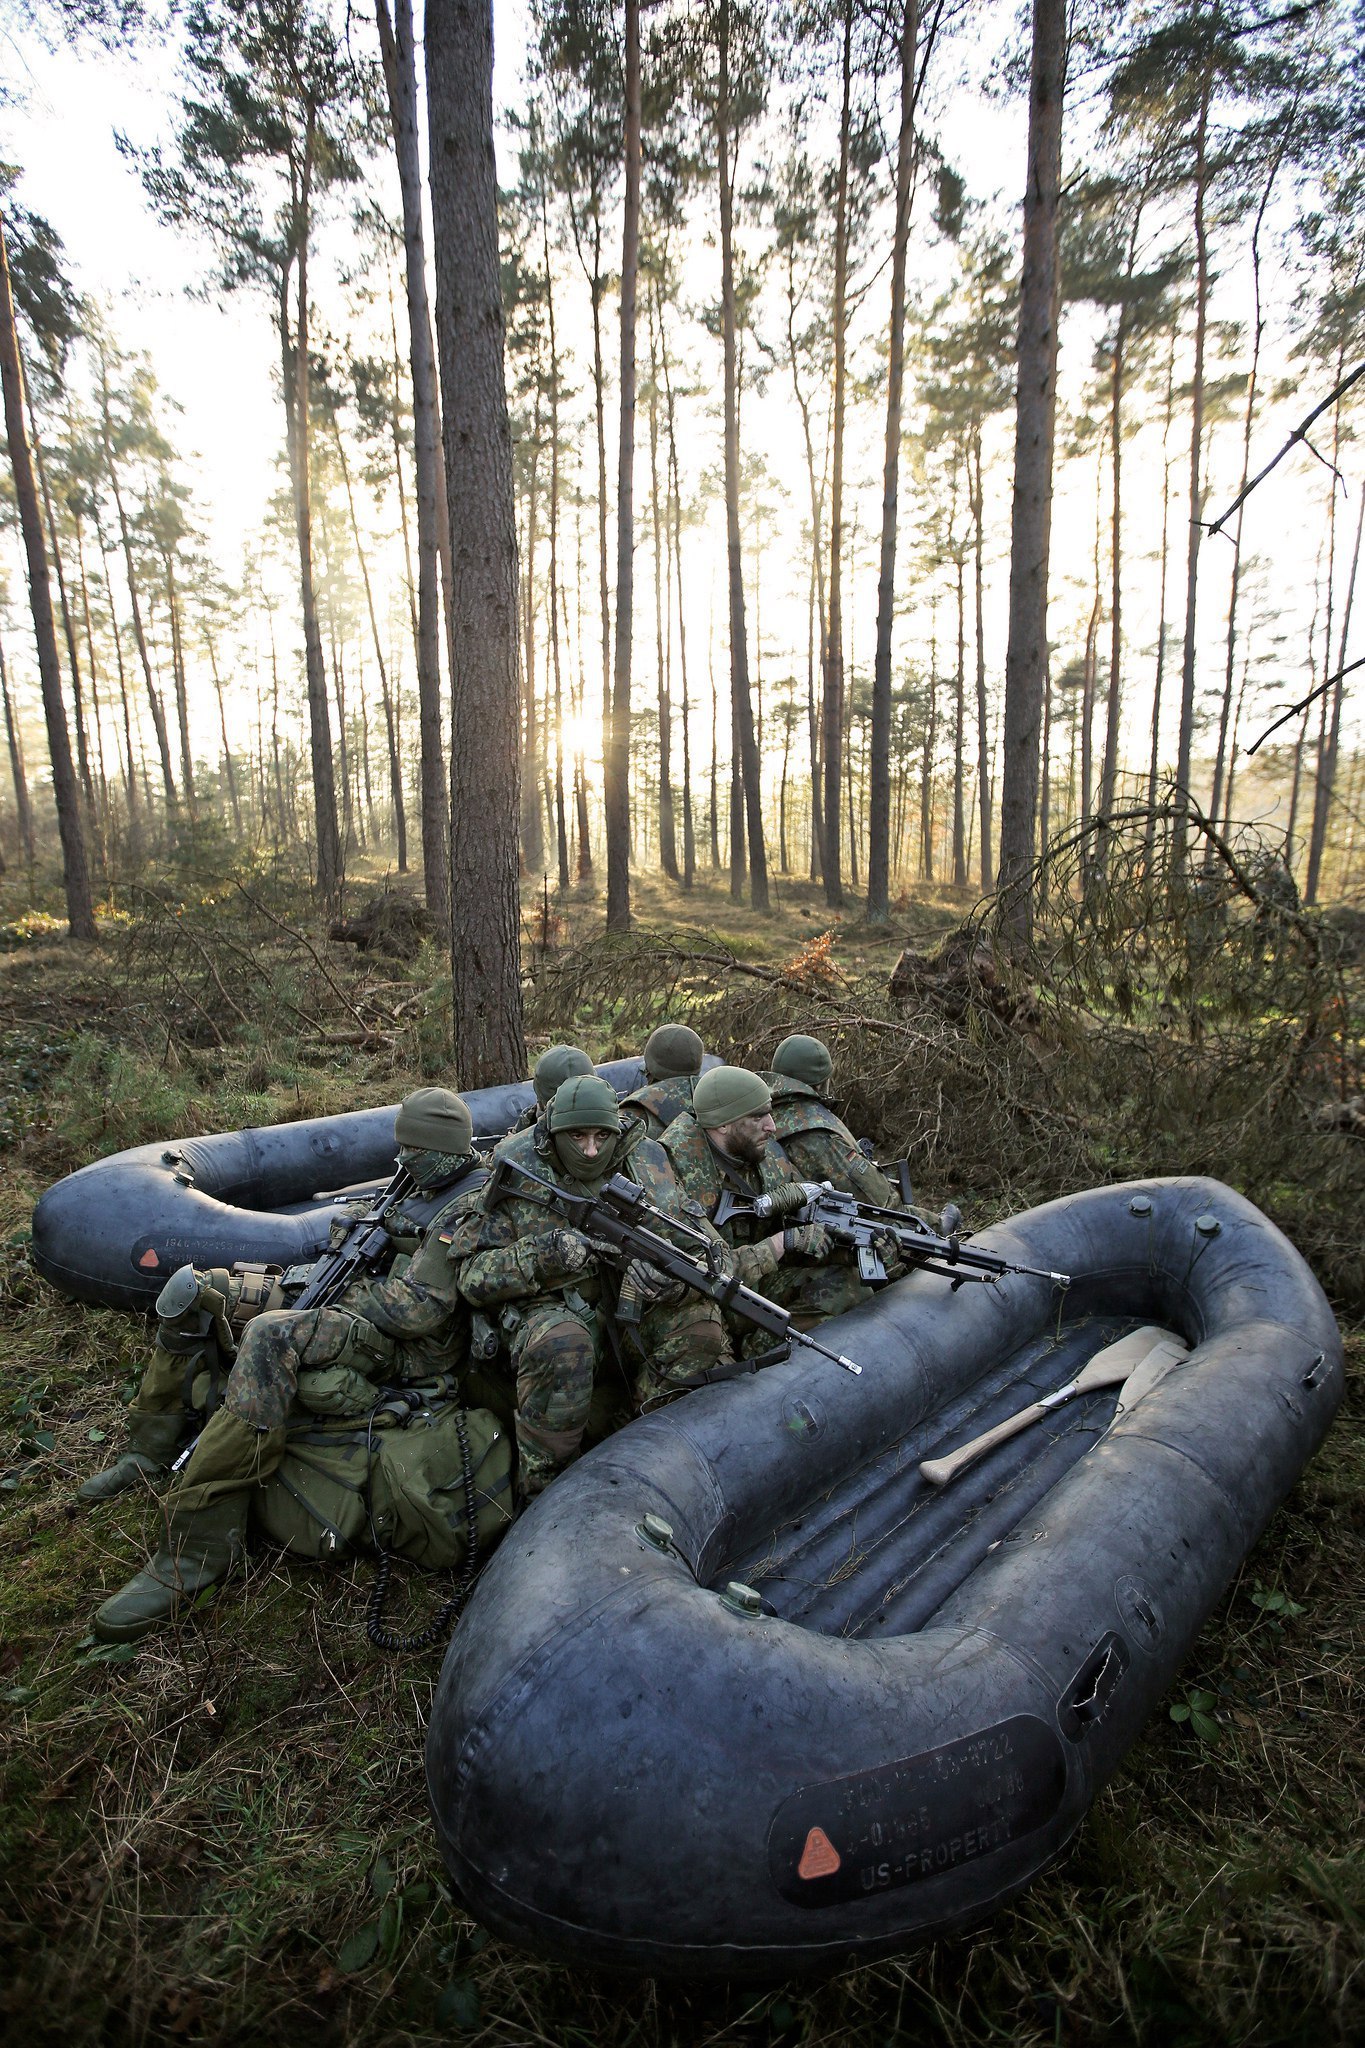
x,y
221,1836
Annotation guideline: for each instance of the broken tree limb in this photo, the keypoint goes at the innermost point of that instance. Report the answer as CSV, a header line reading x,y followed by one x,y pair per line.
x,y
1304,703
1300,433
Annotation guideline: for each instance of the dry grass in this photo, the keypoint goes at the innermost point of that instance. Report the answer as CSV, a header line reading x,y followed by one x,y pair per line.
x,y
223,1838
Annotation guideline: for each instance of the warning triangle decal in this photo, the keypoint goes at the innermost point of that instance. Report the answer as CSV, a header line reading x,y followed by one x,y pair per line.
x,y
819,1858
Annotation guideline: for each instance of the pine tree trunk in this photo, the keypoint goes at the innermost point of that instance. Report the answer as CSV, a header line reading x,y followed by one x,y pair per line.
x,y
73,661
400,819
295,372
163,742
1035,420
23,807
832,713
668,835
1185,743
879,820
182,696
400,77
1154,763
229,769
80,909
749,765
532,859
485,721
960,731
616,765
976,488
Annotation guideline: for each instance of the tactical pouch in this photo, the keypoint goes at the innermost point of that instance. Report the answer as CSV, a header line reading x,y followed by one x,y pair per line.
x,y
257,1289
395,1481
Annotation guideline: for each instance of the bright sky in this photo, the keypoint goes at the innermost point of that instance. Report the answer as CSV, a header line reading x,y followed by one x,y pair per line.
x,y
216,363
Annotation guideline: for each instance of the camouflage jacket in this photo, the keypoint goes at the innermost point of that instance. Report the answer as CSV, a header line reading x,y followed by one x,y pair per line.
x,y
704,1174
418,1303
658,1102
821,1147
500,1250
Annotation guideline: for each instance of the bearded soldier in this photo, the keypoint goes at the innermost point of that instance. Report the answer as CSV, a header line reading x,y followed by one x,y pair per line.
x,y
403,1327
816,1142
728,1140
672,1060
555,1298
559,1063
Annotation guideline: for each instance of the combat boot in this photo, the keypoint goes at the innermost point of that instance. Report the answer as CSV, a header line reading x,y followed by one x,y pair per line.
x,y
153,1440
200,1548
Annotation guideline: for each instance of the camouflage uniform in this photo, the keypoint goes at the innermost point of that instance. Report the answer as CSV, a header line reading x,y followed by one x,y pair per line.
x,y
821,1147
408,1326
810,1292
559,1328
658,1102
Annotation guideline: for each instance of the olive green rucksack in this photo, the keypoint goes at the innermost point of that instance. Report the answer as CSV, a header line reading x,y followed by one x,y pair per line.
x,y
394,1481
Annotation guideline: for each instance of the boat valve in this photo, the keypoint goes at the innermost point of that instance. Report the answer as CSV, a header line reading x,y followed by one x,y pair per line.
x,y
743,1600
656,1532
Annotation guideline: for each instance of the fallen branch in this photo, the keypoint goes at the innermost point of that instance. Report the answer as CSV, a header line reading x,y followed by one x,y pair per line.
x,y
1304,703
1300,433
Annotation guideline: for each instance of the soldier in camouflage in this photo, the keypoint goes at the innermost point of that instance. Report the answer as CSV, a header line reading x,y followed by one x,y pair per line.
x,y
672,1060
559,1063
816,1142
555,1299
728,1140
405,1326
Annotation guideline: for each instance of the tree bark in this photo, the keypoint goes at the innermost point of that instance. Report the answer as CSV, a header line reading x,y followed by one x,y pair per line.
x,y
400,78
485,721
879,794
1179,825
294,364
1035,419
832,719
80,908
616,763
22,805
750,767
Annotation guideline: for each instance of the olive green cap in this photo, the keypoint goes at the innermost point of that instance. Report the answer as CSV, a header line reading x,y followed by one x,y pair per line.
x,y
559,1064
726,1093
672,1049
434,1120
584,1103
804,1059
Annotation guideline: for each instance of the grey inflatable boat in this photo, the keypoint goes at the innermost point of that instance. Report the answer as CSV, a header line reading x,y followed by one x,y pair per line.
x,y
115,1231
747,1693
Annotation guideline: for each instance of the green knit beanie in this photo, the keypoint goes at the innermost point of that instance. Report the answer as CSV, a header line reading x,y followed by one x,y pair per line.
x,y
559,1064
434,1120
584,1103
804,1059
726,1093
672,1049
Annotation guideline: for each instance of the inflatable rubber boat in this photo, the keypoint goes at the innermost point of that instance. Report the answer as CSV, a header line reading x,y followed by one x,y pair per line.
x,y
114,1232
747,1693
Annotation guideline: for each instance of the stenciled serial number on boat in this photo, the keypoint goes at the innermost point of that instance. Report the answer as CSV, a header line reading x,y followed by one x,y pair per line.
x,y
876,1830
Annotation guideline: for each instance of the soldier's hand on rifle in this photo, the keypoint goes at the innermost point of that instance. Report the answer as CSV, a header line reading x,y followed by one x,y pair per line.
x,y
561,1254
807,1241
651,1288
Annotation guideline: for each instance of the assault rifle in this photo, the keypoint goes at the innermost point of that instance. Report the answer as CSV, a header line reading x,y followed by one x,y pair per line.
x,y
870,1230
360,1251
618,1219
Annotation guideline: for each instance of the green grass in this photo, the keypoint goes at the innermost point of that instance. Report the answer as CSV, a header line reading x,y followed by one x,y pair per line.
x,y
223,1838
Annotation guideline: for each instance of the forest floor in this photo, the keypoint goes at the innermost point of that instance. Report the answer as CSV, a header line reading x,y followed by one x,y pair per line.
x,y
221,1835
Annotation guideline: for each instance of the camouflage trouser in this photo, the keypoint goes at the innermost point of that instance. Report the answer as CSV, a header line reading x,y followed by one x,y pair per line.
x,y
325,1356
560,1353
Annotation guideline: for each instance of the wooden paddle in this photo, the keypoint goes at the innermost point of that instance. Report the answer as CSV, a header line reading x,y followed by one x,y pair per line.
x,y
1136,1362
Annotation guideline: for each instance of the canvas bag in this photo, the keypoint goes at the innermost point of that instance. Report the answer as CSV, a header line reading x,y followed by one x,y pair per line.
x,y
395,1478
